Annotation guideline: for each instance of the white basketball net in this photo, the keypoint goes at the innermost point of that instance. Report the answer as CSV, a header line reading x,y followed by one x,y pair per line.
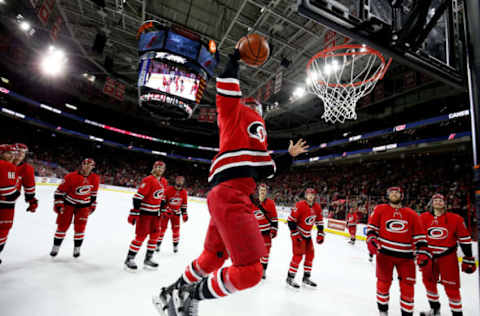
x,y
341,77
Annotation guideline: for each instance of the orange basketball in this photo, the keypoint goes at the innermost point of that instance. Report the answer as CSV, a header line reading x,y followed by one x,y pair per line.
x,y
254,49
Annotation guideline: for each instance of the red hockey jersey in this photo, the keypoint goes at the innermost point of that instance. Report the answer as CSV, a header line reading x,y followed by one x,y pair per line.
x,y
444,231
352,219
271,212
399,230
78,190
306,216
8,184
243,138
176,200
26,178
149,196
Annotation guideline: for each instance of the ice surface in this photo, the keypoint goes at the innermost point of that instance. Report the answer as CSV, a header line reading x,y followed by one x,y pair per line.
x,y
32,283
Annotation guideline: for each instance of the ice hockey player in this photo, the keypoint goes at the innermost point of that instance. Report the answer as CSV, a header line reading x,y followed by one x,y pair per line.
x,y
145,215
8,191
352,220
26,177
176,206
444,230
304,215
394,234
75,198
266,214
233,230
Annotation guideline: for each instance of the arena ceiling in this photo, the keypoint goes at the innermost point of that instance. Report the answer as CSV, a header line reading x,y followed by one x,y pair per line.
x,y
294,38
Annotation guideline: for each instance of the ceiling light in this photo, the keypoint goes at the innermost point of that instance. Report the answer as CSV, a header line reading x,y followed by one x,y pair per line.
x,y
299,92
54,61
25,26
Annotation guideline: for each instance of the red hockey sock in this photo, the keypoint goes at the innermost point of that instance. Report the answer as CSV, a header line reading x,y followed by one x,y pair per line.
x,y
406,296
383,289
203,265
454,298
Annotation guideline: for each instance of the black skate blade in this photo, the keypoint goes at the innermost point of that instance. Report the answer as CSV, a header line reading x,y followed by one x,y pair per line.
x,y
149,268
159,307
174,305
126,268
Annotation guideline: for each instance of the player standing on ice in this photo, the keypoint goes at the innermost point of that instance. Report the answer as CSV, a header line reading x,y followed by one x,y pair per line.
x,y
26,177
352,220
176,205
394,233
8,191
75,198
305,213
145,215
266,214
444,230
233,230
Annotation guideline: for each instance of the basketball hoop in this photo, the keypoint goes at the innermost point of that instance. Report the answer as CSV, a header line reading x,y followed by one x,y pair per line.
x,y
341,75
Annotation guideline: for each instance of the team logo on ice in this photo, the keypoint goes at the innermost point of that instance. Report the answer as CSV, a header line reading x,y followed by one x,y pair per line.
x,y
437,233
310,220
257,130
158,194
84,190
396,226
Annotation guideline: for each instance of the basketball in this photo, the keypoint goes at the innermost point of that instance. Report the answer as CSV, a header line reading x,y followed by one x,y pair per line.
x,y
254,49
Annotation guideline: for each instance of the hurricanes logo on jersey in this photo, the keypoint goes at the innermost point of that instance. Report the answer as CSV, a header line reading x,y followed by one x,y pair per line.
x,y
175,201
437,233
257,130
396,226
310,220
83,190
158,194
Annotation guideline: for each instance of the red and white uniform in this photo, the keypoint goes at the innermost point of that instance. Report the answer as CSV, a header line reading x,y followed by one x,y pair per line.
x,y
399,232
305,216
78,193
443,234
8,195
147,202
264,225
26,178
352,221
176,205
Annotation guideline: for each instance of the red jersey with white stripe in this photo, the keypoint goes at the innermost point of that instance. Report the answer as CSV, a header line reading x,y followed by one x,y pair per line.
x,y
443,232
306,216
399,230
26,178
271,212
78,190
176,200
8,184
352,219
243,138
150,193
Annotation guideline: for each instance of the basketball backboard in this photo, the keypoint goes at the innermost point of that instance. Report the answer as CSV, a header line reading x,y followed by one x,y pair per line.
x,y
423,34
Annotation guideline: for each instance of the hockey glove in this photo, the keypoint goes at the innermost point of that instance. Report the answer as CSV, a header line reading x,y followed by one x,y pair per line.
x,y
133,216
33,204
422,259
468,265
372,245
296,237
185,217
320,238
273,233
58,207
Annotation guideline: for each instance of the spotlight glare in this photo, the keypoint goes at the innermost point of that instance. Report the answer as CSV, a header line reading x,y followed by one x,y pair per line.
x,y
25,26
299,92
54,61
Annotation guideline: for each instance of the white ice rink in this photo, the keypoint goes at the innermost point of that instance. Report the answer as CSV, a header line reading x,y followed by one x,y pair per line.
x,y
33,284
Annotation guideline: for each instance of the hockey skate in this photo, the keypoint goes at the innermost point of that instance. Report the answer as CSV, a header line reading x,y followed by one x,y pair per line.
x,y
161,301
370,258
431,312
149,264
292,284
54,251
175,248
182,302
383,314
130,265
309,283
76,252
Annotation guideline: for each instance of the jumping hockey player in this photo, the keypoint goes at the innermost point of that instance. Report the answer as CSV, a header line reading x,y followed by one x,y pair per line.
x,y
145,215
26,177
176,206
266,214
444,231
233,230
394,233
75,198
8,191
305,213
